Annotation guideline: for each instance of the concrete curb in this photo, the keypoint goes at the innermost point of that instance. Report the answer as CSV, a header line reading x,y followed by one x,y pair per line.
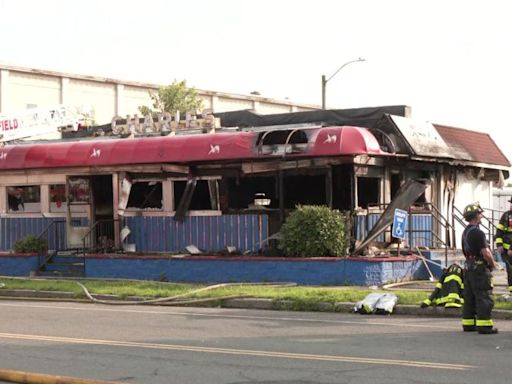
x,y
252,303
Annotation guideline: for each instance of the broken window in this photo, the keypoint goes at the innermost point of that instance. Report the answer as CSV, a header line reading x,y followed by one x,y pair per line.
x,y
424,200
242,191
204,195
396,182
145,195
368,191
24,198
342,187
298,189
304,190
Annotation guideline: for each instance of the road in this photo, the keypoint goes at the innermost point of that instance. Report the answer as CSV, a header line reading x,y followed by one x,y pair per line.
x,y
164,345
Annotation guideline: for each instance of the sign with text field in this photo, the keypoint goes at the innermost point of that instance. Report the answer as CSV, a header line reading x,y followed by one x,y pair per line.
x,y
399,224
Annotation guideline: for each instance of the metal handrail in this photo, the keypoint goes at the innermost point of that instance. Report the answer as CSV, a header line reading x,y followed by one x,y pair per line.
x,y
42,262
458,217
436,215
443,242
90,232
490,228
47,229
446,225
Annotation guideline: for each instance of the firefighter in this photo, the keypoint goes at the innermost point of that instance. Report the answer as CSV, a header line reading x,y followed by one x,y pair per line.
x,y
478,301
504,242
448,290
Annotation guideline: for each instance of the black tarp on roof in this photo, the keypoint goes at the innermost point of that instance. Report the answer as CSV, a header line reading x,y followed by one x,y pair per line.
x,y
361,117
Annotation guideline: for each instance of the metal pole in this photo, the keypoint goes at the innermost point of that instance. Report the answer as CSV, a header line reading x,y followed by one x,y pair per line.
x,y
324,80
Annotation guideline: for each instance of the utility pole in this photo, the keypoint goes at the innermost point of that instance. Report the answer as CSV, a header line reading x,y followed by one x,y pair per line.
x,y
324,80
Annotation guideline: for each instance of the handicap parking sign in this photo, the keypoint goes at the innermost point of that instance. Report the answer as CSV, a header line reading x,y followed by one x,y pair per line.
x,y
399,224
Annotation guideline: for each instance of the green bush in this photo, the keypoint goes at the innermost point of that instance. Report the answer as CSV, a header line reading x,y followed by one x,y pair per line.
x,y
31,244
315,231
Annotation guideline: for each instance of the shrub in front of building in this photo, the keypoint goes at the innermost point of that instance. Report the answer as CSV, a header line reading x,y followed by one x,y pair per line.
x,y
313,230
31,244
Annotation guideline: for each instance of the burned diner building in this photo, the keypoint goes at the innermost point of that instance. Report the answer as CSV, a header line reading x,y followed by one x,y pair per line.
x,y
234,187
457,166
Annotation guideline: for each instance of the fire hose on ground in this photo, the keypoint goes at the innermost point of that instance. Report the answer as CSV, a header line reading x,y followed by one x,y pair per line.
x,y
171,300
39,378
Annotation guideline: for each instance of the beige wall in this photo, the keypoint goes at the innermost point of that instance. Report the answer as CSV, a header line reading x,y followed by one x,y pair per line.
x,y
131,98
26,89
21,87
102,96
225,105
269,108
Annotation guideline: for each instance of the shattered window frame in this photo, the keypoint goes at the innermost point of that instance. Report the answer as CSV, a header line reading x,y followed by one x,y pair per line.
x,y
213,187
364,193
152,194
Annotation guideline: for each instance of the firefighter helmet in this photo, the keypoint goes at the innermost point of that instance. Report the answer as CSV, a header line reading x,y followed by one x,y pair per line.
x,y
472,210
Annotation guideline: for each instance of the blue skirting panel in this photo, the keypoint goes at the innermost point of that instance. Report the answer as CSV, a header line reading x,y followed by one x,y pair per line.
x,y
421,230
156,234
209,233
364,223
18,265
16,228
311,271
418,230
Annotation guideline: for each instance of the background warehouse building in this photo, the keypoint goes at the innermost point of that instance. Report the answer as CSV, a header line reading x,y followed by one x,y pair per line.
x,y
22,88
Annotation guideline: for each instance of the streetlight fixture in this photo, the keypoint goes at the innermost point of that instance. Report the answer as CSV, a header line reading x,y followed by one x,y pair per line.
x,y
324,80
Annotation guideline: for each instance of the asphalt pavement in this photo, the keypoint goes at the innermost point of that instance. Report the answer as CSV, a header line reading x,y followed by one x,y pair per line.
x,y
164,345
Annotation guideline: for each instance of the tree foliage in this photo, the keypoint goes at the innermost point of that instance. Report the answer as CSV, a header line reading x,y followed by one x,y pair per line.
x,y
314,231
173,98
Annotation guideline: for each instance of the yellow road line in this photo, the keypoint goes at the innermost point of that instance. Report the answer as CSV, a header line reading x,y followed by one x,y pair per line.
x,y
245,352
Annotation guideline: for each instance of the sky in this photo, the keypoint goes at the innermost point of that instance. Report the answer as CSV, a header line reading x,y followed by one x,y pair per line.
x,y
449,60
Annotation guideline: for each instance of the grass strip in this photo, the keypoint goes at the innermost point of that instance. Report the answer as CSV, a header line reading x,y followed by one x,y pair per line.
x,y
293,298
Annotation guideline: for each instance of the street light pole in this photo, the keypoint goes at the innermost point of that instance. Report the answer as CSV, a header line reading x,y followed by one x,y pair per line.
x,y
324,80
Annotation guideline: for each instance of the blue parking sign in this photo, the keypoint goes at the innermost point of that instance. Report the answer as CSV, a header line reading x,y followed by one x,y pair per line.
x,y
399,224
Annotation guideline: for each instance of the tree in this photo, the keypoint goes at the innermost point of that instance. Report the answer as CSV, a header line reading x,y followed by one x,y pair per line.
x,y
174,98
